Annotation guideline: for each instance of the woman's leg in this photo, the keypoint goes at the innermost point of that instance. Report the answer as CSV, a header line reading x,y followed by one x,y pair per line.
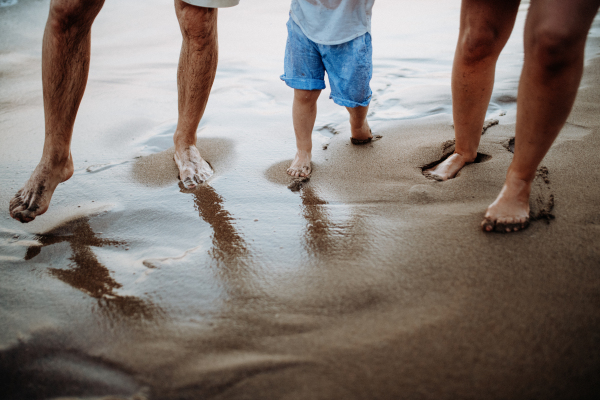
x,y
485,26
555,35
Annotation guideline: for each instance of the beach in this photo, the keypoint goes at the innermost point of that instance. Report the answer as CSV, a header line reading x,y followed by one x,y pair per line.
x,y
368,281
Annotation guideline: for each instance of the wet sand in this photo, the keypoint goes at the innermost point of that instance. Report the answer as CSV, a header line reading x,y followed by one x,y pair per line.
x,y
370,282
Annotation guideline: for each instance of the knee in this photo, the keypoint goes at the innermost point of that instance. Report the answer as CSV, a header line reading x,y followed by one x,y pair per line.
x,y
478,43
68,14
196,22
306,97
554,49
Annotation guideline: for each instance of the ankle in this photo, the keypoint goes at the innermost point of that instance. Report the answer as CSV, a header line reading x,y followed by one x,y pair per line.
x,y
516,176
183,141
518,187
359,126
57,158
303,151
466,156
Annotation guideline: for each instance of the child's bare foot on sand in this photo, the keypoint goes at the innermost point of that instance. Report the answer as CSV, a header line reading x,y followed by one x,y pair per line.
x,y
448,168
362,135
301,165
193,170
510,211
34,197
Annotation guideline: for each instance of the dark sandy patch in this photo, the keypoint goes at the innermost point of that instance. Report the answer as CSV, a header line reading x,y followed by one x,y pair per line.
x,y
160,169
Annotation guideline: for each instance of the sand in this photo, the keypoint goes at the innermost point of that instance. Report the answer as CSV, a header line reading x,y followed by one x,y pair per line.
x,y
369,282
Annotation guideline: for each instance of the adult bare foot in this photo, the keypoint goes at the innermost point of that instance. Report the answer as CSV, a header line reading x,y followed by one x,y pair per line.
x,y
301,165
34,197
448,168
510,211
193,170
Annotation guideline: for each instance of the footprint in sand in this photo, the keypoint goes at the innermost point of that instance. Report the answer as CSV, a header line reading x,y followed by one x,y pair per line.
x,y
541,200
510,145
447,151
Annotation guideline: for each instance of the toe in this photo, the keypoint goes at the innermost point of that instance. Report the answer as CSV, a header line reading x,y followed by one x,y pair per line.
x,y
19,208
15,202
24,216
189,183
489,225
500,227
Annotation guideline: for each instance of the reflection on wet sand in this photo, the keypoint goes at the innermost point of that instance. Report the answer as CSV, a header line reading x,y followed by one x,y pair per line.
x,y
229,249
325,237
89,275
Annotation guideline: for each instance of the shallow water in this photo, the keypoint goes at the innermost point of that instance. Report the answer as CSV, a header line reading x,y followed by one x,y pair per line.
x,y
131,282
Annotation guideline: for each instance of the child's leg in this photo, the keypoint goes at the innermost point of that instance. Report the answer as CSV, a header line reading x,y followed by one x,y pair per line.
x,y
359,127
304,113
349,67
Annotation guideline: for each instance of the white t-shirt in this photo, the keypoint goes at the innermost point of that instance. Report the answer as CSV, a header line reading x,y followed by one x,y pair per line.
x,y
332,21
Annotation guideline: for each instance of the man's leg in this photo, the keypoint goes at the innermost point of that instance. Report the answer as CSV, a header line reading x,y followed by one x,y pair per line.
x,y
304,114
197,69
555,35
65,65
485,26
359,126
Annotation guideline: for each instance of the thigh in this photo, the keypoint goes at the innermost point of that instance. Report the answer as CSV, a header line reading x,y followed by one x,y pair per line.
x,y
303,66
349,67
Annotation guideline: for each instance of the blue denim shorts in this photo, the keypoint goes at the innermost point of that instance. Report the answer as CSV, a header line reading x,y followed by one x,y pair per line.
x,y
349,67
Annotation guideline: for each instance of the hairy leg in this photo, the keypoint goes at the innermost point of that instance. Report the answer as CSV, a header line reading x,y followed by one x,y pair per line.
x,y
304,113
195,76
485,26
359,126
65,65
555,35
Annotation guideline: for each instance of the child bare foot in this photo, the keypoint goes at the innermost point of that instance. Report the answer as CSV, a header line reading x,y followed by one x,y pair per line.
x,y
193,170
362,134
301,165
510,211
448,168
34,197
